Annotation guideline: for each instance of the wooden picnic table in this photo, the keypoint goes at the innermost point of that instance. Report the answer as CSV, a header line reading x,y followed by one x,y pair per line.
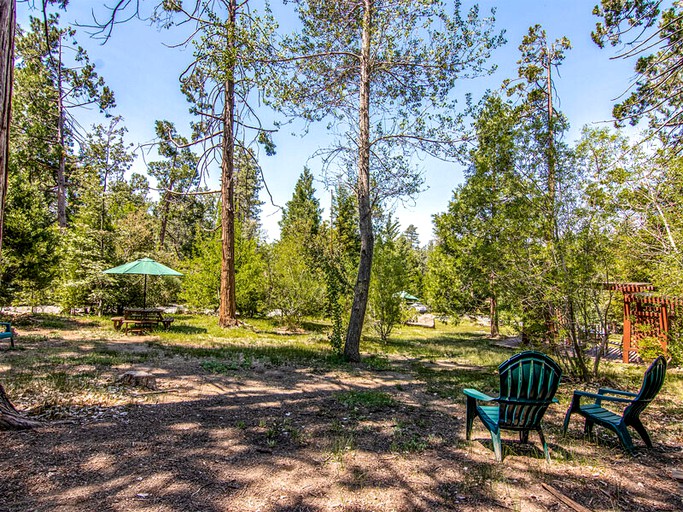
x,y
141,319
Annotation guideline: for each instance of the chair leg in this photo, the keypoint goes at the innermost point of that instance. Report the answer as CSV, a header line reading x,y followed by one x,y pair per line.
x,y
638,426
575,406
545,445
471,413
524,436
625,438
565,425
588,427
497,446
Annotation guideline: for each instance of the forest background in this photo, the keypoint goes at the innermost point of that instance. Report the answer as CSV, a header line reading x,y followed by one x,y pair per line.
x,y
540,214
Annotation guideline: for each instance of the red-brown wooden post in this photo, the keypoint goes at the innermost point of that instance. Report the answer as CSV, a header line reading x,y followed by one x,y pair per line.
x,y
664,326
626,338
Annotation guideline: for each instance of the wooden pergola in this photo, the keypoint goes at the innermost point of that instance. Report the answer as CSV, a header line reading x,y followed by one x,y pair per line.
x,y
645,314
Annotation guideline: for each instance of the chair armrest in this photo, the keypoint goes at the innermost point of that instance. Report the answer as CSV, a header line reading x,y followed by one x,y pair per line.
x,y
611,391
478,395
7,325
602,397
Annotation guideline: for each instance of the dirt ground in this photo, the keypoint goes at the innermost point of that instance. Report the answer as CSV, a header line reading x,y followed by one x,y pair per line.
x,y
282,439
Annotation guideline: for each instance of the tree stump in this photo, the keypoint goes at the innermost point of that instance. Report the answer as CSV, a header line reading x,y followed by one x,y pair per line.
x,y
139,379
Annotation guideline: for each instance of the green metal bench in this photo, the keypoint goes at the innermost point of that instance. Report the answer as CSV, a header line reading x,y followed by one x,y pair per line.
x,y
528,382
635,403
7,333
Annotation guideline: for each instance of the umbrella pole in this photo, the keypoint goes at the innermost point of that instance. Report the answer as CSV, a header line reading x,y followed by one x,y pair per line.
x,y
144,294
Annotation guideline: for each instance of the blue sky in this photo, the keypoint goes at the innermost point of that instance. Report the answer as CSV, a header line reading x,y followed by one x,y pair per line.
x,y
143,71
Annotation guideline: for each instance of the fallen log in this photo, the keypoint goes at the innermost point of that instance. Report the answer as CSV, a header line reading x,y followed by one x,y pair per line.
x,y
565,499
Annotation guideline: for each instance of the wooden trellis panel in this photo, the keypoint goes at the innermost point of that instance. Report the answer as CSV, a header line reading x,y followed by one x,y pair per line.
x,y
645,314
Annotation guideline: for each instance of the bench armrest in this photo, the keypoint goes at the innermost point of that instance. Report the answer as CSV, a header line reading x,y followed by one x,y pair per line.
x,y
604,391
478,395
597,396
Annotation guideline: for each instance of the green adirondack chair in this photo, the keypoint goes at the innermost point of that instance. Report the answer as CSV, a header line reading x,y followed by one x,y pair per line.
x,y
7,333
528,382
635,403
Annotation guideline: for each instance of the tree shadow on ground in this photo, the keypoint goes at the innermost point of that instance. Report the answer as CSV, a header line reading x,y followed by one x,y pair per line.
x,y
295,444
284,431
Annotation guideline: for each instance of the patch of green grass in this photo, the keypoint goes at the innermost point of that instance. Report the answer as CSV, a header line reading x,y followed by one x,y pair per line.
x,y
370,399
464,343
343,440
411,444
377,363
408,438
449,383
64,382
281,431
273,352
52,384
99,355
30,338
482,475
224,366
214,366
53,323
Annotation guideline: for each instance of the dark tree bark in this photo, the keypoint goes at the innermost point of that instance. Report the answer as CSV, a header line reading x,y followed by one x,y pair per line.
x,y
10,419
360,295
227,314
7,29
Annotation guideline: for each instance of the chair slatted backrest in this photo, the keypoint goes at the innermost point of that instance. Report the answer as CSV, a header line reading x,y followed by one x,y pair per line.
x,y
528,382
652,383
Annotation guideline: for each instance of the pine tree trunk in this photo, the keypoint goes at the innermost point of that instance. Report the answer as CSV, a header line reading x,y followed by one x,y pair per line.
x,y
361,290
164,219
227,315
493,303
7,27
10,419
551,145
103,210
165,212
61,124
167,206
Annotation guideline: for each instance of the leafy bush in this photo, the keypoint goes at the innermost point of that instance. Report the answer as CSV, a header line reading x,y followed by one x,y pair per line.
x,y
296,287
388,280
650,348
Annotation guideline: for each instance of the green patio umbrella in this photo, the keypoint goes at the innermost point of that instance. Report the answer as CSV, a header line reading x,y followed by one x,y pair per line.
x,y
145,267
406,296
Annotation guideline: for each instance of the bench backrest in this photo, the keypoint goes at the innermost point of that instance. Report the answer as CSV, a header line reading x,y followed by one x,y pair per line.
x,y
142,314
528,382
652,383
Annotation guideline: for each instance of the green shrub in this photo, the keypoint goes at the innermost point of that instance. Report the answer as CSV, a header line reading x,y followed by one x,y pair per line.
x,y
649,348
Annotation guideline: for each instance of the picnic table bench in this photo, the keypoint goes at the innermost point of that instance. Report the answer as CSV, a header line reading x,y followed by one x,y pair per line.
x,y
140,319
